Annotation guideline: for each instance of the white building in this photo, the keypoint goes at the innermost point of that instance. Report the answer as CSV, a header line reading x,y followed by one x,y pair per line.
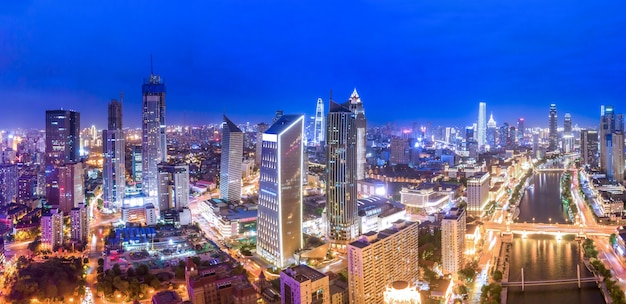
x,y
52,228
79,223
378,213
230,162
477,192
379,258
303,284
279,233
173,187
453,228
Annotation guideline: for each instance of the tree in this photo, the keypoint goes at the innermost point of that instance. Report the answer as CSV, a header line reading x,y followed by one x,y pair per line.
x,y
497,275
179,273
613,239
117,270
130,272
100,262
155,283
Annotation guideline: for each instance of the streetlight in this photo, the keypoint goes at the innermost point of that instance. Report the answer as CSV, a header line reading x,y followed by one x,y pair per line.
x,y
533,220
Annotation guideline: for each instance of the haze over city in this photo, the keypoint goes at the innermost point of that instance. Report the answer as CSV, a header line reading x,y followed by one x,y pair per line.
x,y
407,59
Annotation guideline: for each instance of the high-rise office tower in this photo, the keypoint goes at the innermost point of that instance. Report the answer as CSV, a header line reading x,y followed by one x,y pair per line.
x,y
482,125
453,228
377,259
279,224
491,132
503,136
154,145
568,136
356,106
612,144
553,124
26,188
8,184
230,163
52,228
260,129
173,187
137,164
521,129
399,151
71,182
319,130
79,223
341,174
589,147
113,152
62,146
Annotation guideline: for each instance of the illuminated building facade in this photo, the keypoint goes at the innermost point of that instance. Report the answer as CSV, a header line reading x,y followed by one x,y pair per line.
x,y
52,228
231,160
279,220
377,259
453,228
341,174
477,192
154,145
482,125
173,187
553,133
113,152
62,146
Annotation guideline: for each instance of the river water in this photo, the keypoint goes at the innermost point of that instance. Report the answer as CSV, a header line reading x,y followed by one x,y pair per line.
x,y
542,256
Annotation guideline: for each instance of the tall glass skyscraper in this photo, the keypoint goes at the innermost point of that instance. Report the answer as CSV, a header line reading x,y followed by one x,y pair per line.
x,y
279,233
113,151
154,146
482,125
612,144
230,163
552,125
341,174
62,146
318,130
356,106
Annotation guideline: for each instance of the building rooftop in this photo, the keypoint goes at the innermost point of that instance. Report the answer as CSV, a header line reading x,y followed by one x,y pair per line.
x,y
231,126
167,297
283,123
303,273
454,214
377,205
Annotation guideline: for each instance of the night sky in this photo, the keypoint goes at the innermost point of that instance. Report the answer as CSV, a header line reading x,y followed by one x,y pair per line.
x,y
410,60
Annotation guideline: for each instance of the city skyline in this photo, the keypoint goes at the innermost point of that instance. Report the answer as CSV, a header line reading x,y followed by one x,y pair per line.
x,y
233,60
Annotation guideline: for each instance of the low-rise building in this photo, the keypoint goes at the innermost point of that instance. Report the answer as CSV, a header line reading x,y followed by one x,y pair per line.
x,y
167,297
231,220
473,239
378,213
217,284
303,284
610,203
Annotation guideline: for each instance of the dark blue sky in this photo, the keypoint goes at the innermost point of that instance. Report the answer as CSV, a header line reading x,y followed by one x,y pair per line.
x,y
410,60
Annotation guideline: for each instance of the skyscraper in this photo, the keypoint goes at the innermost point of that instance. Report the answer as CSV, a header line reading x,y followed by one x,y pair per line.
x,y
261,128
482,125
8,183
568,136
173,187
553,124
113,153
62,146
612,144
230,163
491,132
154,146
318,133
71,182
503,135
356,106
589,147
521,129
341,174
279,224
453,228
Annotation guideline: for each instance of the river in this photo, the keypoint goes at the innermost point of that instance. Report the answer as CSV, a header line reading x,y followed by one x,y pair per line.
x,y
542,256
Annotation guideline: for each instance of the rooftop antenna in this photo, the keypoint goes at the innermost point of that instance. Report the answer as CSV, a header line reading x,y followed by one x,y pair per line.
x,y
151,73
331,94
121,96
